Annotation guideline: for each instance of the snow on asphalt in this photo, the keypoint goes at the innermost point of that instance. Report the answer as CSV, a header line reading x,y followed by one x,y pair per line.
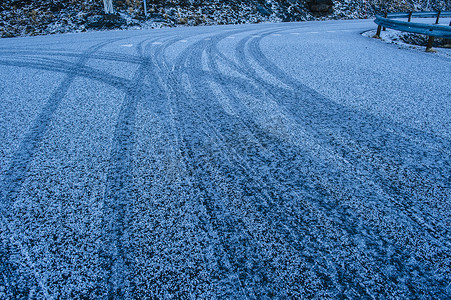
x,y
295,160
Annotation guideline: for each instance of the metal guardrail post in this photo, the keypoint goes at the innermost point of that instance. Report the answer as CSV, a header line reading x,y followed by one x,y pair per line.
x,y
438,17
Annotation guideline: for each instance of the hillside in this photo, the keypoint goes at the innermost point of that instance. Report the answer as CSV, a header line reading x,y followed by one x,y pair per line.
x,y
27,17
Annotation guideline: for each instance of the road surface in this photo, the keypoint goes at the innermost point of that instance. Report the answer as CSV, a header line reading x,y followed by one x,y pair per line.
x,y
295,160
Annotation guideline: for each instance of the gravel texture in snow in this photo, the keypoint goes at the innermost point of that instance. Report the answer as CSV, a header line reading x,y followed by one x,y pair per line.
x,y
295,160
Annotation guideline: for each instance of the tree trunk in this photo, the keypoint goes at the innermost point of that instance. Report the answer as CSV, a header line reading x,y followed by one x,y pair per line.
x,y
108,6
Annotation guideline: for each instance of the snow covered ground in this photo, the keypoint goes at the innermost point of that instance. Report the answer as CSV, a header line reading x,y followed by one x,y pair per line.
x,y
294,160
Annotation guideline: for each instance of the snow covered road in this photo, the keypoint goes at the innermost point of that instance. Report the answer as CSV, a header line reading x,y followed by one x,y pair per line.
x,y
294,160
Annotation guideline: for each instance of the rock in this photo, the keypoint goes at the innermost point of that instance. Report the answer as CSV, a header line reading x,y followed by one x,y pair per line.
x,y
157,18
263,11
105,21
56,6
320,6
8,34
171,11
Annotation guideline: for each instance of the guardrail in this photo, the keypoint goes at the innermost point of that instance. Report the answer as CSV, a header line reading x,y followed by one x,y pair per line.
x,y
432,31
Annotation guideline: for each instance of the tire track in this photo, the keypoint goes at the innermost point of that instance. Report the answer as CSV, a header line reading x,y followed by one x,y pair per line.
x,y
263,198
351,146
308,110
223,284
210,174
101,55
77,71
203,109
121,195
253,154
185,131
121,192
355,163
14,177
278,196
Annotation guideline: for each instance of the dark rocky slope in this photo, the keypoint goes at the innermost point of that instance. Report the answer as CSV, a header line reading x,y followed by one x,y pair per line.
x,y
38,17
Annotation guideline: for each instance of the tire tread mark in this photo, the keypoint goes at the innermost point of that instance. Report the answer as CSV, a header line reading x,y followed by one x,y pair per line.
x,y
14,177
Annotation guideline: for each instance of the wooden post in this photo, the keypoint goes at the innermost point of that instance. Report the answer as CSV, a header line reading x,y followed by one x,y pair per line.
x,y
378,32
410,16
108,6
449,41
429,46
438,17
385,16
